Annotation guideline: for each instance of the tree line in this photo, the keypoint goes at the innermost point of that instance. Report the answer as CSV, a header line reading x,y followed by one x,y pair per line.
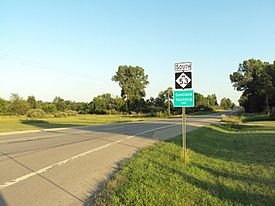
x,y
256,80
132,81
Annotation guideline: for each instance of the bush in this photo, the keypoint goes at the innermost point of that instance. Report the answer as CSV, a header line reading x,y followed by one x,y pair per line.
x,y
162,114
151,114
66,113
60,114
71,113
100,111
259,117
35,113
231,119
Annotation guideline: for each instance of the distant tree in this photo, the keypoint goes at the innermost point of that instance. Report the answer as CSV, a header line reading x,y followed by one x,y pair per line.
x,y
18,106
60,104
154,105
32,102
200,100
226,103
212,100
81,107
160,100
165,98
256,80
133,82
119,104
270,70
268,86
49,108
3,106
103,103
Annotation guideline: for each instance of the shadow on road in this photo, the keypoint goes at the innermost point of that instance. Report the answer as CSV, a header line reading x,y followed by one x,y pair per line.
x,y
47,125
159,130
43,177
2,201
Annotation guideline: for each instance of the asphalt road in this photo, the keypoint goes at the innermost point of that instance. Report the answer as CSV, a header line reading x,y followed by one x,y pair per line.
x,y
66,167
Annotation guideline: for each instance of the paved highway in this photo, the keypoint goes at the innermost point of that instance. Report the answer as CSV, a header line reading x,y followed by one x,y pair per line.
x,y
66,166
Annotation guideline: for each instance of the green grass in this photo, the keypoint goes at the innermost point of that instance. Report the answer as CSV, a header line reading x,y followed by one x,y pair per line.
x,y
226,167
249,118
202,113
13,123
257,117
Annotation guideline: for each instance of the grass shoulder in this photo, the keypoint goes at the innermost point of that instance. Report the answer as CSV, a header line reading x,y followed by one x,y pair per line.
x,y
226,168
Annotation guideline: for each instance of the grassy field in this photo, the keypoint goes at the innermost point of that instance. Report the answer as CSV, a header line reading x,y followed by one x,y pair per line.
x,y
13,123
227,166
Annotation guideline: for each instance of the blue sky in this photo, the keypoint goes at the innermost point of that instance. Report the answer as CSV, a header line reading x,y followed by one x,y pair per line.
x,y
72,48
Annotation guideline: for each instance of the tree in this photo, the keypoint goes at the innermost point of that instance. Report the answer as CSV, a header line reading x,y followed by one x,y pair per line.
x,y
133,82
119,104
80,107
49,108
18,106
200,100
268,86
165,97
212,100
270,70
254,79
226,103
201,103
103,103
59,103
3,106
32,102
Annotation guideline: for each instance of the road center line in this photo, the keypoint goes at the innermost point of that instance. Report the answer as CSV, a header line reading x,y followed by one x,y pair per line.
x,y
24,177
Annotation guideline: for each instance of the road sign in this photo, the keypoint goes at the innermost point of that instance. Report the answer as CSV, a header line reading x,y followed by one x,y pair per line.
x,y
183,66
183,80
184,98
183,76
183,95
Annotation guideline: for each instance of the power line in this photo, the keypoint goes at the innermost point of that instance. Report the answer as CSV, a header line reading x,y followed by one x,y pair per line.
x,y
41,66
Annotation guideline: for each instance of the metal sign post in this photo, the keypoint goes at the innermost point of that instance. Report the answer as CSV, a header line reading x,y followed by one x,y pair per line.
x,y
184,134
183,96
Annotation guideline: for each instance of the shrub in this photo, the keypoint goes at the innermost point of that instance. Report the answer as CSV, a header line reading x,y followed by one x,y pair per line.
x,y
60,114
231,119
112,111
151,114
162,114
259,117
71,113
35,113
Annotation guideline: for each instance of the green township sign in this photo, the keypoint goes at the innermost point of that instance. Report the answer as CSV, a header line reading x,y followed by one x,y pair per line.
x,y
184,98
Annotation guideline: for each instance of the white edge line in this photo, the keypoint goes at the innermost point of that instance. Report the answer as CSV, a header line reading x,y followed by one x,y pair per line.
x,y
24,177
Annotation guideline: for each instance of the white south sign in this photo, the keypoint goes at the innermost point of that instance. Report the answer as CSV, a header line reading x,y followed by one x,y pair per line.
x,y
183,76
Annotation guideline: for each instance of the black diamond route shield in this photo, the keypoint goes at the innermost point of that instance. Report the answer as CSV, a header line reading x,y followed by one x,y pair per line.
x,y
183,80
